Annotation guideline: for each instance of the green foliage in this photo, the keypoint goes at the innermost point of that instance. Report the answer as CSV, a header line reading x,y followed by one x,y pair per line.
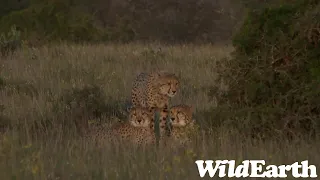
x,y
274,74
2,82
89,100
53,20
8,6
4,120
21,87
77,106
123,22
10,42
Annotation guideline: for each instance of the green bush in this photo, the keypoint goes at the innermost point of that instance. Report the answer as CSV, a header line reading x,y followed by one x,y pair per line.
x,y
77,106
10,42
2,82
8,6
53,20
275,70
5,122
125,21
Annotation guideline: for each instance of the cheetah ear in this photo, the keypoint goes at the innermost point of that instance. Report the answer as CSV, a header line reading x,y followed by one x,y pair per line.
x,y
129,108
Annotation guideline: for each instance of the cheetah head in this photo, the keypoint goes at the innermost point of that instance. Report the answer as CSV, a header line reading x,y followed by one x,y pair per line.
x,y
169,84
140,117
181,115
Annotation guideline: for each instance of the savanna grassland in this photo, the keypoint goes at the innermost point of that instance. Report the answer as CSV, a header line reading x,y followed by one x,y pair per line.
x,y
43,145
251,72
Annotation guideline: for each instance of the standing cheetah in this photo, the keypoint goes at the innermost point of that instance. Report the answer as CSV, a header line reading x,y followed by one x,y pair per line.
x,y
153,90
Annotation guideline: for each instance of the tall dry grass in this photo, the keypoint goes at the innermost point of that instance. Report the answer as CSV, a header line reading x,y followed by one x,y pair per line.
x,y
35,79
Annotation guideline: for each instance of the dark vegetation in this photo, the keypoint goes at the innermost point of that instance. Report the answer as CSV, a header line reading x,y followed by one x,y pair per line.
x,y
274,73
121,21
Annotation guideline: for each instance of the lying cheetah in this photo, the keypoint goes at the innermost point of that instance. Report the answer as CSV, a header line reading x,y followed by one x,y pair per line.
x,y
181,115
153,90
182,123
138,130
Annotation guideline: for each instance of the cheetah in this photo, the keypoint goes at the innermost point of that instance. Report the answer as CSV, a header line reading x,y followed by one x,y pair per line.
x,y
182,123
181,115
137,130
153,90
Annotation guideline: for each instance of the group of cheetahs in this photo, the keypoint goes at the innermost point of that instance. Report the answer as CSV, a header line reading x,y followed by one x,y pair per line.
x,y
151,92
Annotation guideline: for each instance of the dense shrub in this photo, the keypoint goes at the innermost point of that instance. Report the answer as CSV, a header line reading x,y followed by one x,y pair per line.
x,y
10,42
274,75
53,20
8,6
127,20
2,83
78,106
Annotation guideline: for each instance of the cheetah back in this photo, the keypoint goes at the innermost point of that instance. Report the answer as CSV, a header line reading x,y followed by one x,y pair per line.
x,y
138,93
145,91
128,133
